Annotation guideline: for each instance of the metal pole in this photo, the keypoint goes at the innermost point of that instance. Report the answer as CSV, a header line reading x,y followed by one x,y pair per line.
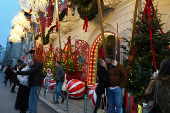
x,y
27,45
102,28
54,94
41,35
134,21
34,39
45,89
56,1
66,109
85,103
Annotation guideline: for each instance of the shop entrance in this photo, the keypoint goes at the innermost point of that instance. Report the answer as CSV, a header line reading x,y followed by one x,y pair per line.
x,y
97,52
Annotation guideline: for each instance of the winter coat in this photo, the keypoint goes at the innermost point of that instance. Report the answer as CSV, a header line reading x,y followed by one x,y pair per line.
x,y
8,73
24,79
103,80
14,76
48,77
60,74
35,74
117,75
163,100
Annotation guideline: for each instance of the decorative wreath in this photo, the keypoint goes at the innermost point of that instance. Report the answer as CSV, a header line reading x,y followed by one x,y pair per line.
x,y
90,11
84,3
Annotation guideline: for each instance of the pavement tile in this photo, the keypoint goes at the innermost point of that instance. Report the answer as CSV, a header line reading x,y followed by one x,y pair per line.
x,y
74,105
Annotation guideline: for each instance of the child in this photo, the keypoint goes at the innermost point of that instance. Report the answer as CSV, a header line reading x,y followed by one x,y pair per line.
x,y
48,78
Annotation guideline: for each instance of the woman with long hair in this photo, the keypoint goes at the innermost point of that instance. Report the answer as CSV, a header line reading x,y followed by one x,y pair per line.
x,y
102,80
163,100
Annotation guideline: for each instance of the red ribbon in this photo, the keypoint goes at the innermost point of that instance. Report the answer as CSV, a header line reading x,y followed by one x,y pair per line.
x,y
56,25
85,26
66,10
30,11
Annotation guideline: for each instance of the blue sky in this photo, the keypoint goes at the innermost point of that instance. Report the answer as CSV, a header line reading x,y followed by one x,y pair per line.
x,y
7,10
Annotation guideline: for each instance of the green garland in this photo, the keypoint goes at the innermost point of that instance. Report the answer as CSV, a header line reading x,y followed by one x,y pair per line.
x,y
62,14
84,3
90,11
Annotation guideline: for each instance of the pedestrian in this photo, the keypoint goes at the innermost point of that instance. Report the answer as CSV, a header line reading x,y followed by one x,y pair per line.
x,y
35,81
163,94
4,73
21,102
14,79
117,78
8,73
48,78
59,81
102,79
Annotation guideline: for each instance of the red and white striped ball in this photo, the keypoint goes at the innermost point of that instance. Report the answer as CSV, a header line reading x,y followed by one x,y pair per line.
x,y
92,95
52,83
76,88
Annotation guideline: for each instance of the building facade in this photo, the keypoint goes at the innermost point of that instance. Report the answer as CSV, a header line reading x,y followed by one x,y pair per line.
x,y
117,16
2,55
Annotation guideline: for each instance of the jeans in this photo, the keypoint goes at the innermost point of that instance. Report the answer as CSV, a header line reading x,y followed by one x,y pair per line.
x,y
58,90
115,97
48,85
33,98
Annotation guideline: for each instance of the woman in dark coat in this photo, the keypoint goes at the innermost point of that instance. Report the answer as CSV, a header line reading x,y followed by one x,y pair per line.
x,y
8,73
163,100
102,79
14,79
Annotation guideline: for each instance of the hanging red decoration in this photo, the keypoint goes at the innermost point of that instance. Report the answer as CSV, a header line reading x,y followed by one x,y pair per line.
x,y
85,24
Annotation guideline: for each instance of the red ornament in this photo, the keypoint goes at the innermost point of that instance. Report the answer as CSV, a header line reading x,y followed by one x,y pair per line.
x,y
76,88
92,95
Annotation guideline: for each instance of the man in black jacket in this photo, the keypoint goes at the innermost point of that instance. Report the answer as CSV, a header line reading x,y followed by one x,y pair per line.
x,y
35,81
59,81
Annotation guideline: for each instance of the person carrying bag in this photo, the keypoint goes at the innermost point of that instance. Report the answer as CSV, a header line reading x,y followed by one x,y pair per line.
x,y
158,90
100,110
151,105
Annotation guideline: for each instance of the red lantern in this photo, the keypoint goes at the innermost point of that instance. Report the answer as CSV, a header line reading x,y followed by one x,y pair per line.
x,y
76,88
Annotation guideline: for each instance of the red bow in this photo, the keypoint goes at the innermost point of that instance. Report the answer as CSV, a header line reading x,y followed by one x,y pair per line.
x,y
85,24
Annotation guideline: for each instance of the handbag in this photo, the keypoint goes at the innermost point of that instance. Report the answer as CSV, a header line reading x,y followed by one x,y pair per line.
x,y
151,105
64,86
100,110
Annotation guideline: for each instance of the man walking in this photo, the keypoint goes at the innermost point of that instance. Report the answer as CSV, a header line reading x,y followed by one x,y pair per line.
x,y
117,79
59,81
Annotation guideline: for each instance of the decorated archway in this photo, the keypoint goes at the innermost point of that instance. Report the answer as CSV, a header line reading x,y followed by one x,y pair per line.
x,y
95,53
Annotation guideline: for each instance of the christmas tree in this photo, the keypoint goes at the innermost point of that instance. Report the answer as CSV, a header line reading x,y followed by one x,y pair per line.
x,y
49,62
142,65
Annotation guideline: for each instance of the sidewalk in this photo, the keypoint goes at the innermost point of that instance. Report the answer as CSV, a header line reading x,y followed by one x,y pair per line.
x,y
74,105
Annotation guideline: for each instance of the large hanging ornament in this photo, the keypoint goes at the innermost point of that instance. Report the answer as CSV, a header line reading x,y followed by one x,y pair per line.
x,y
76,88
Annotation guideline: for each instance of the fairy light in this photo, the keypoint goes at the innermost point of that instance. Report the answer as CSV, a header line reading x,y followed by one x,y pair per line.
x,y
35,5
20,20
